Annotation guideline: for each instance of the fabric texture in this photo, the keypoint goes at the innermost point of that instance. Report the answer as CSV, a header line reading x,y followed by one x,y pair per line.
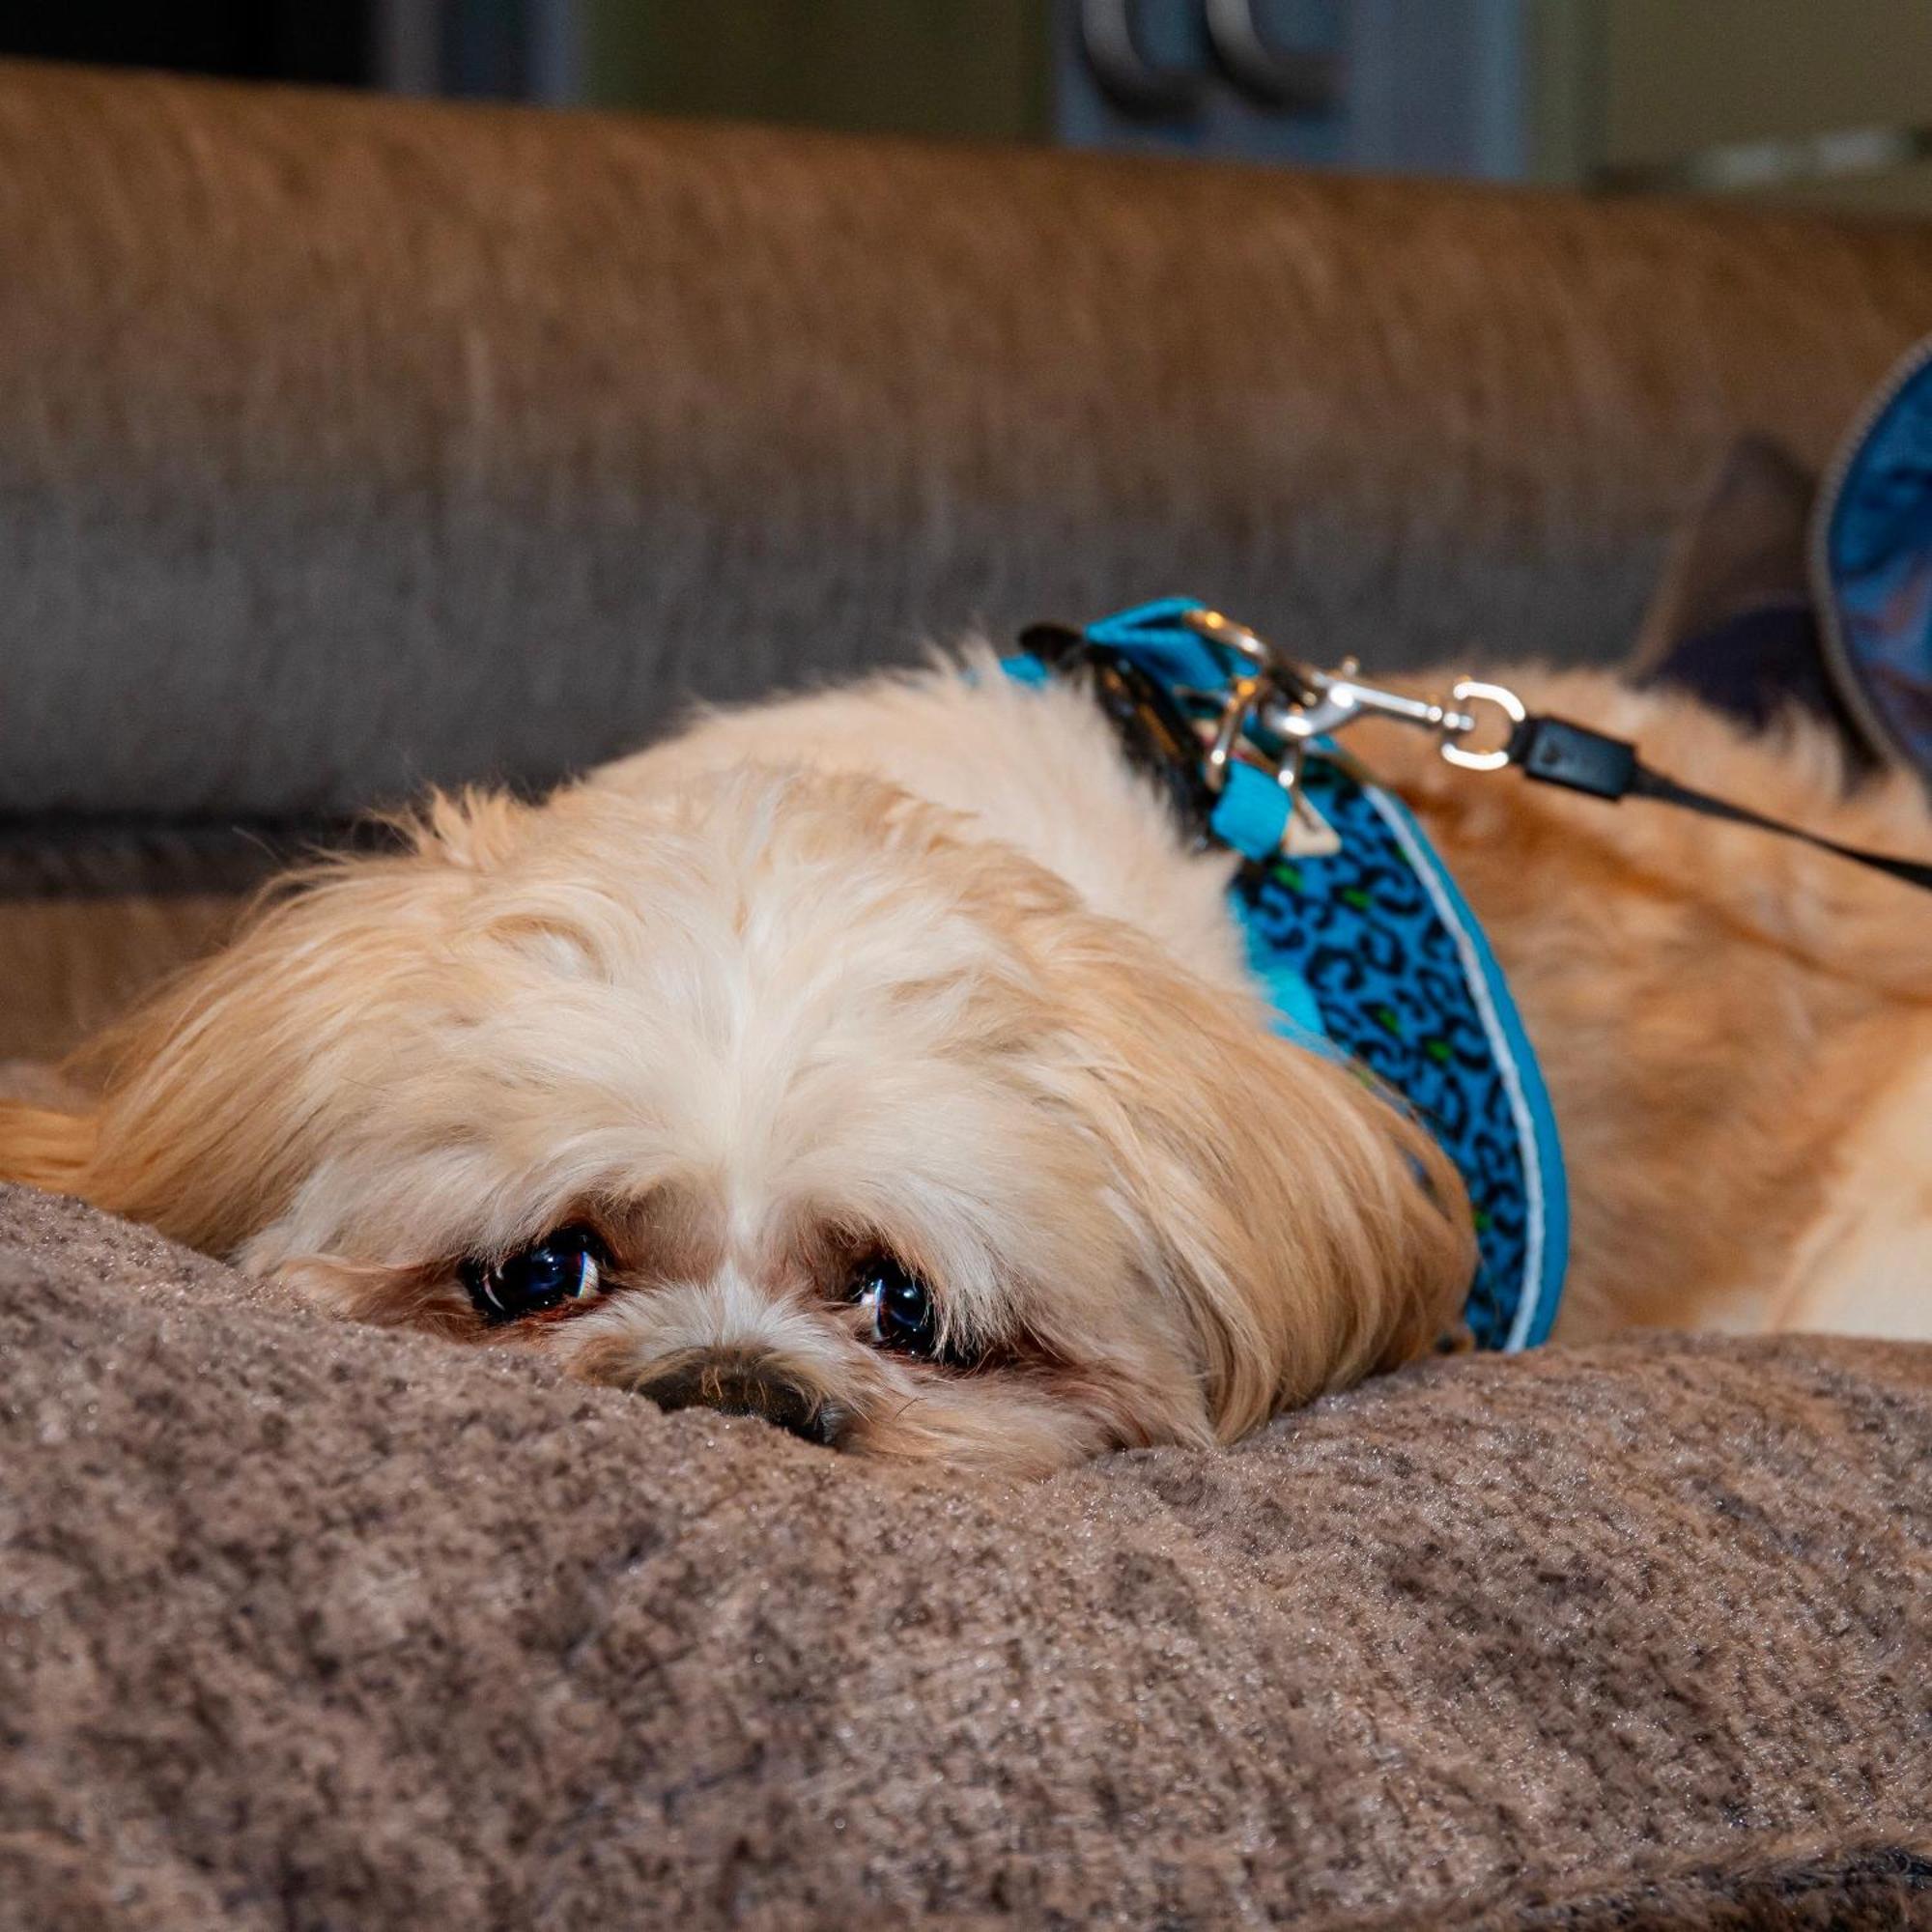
x,y
1734,622
1741,549
309,1625
347,444
1872,560
1408,988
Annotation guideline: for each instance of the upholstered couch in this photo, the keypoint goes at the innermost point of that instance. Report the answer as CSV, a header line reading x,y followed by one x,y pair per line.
x,y
346,445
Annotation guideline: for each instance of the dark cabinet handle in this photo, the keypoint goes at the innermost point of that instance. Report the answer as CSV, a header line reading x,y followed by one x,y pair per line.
x,y
1271,76
1133,83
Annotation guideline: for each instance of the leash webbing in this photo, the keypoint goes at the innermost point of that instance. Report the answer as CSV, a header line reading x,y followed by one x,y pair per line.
x,y
1555,751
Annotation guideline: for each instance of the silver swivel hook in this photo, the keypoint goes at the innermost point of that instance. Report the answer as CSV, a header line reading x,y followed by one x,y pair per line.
x,y
1295,703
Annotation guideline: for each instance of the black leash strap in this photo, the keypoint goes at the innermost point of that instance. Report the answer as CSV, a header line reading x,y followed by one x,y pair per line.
x,y
1555,751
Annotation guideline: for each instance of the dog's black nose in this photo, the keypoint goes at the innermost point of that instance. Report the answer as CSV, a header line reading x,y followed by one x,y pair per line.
x,y
734,1387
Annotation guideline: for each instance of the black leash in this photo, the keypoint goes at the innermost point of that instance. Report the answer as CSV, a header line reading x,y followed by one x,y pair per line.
x,y
1277,706
1555,751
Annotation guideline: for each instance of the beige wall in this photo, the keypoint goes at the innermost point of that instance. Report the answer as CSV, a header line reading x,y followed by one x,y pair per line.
x,y
930,67
1631,88
1680,75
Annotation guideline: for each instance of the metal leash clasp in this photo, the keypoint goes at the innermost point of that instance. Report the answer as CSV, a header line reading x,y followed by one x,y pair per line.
x,y
1293,704
1474,691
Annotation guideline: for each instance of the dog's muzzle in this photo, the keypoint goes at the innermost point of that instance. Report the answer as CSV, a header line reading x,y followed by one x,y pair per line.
x,y
738,1385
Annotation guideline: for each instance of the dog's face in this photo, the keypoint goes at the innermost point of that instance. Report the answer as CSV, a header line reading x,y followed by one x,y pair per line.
x,y
778,1094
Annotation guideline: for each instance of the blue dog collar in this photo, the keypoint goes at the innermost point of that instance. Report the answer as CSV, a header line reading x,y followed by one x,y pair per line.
x,y
1369,953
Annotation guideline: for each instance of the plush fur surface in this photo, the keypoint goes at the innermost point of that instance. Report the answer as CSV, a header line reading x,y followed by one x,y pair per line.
x,y
1737,1030
918,969
307,1626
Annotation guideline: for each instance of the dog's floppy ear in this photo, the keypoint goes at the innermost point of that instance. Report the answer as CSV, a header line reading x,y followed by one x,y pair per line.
x,y
204,1095
212,1099
43,1147
1311,1232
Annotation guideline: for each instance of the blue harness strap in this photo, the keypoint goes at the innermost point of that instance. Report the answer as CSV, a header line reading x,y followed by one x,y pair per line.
x,y
1369,954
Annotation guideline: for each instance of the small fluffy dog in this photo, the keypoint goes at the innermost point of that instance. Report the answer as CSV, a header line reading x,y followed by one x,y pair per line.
x,y
884,1062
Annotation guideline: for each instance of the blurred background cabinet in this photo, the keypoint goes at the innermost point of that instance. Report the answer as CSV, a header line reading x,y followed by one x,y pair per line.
x,y
1783,99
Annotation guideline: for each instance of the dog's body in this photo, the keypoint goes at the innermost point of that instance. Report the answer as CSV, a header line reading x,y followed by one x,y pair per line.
x,y
895,1064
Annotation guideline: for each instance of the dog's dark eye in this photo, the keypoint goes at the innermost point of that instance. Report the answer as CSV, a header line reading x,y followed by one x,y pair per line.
x,y
563,1269
900,1305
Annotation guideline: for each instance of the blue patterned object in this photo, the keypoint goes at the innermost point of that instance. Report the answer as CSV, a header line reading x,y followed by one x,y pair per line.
x,y
1872,560
1406,985
1369,954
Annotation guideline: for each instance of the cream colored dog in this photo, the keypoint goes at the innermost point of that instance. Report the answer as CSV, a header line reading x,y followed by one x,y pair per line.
x,y
883,1064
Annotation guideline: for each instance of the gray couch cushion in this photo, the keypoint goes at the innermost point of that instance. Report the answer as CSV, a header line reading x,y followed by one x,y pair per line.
x,y
346,444
309,1625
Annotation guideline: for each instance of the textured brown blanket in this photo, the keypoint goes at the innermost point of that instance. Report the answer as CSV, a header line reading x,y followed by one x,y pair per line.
x,y
305,1625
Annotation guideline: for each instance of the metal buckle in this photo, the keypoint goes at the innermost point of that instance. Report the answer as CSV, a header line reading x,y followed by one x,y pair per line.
x,y
1231,728
1274,707
1215,627
1473,691
1296,703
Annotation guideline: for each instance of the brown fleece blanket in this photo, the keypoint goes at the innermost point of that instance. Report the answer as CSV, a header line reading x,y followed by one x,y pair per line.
x,y
304,1625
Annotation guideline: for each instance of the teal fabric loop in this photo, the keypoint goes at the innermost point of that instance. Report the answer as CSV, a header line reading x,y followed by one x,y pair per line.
x,y
1251,815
